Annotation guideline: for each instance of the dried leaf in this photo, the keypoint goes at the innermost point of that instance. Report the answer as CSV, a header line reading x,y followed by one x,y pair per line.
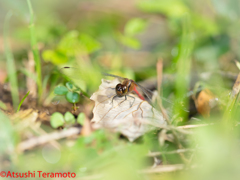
x,y
26,118
205,102
28,115
132,117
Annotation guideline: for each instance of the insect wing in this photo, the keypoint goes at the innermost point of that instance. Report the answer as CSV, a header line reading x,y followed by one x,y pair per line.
x,y
82,77
112,75
147,92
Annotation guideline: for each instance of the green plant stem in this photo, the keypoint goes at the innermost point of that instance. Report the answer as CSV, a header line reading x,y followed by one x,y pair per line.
x,y
10,64
35,51
183,67
20,104
232,104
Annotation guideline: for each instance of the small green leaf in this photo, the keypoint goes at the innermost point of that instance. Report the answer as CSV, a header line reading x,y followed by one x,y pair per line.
x,y
135,26
72,97
60,90
129,41
81,118
69,85
89,43
69,118
56,120
56,57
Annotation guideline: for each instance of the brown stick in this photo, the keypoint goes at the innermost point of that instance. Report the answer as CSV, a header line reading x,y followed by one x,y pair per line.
x,y
194,126
153,154
164,168
236,87
159,73
31,84
36,141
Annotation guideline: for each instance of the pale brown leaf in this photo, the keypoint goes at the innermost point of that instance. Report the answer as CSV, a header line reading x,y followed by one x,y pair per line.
x,y
130,117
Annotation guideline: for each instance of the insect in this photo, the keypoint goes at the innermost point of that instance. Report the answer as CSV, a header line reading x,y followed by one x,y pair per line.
x,y
128,86
123,89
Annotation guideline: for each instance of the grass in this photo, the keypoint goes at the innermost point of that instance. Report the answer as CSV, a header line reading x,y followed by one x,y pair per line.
x,y
11,69
183,68
20,104
35,51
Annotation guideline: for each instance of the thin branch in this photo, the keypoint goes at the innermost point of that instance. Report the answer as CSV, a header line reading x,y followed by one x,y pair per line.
x,y
31,83
194,126
159,72
153,154
36,141
164,168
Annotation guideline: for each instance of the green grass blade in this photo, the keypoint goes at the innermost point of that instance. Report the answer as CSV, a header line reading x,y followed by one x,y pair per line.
x,y
35,51
20,104
183,67
10,63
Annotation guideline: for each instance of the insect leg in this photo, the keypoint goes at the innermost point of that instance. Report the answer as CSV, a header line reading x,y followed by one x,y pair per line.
x,y
123,100
113,98
133,99
126,99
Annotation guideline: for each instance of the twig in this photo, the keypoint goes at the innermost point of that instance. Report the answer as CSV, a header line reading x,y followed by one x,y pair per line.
x,y
153,154
31,83
158,169
168,127
159,73
236,87
165,168
36,141
194,126
42,132
159,80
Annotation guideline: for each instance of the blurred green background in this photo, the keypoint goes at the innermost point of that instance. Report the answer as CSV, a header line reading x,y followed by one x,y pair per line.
x,y
197,40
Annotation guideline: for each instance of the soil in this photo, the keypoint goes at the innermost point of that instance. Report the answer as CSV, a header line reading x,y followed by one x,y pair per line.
x,y
44,112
